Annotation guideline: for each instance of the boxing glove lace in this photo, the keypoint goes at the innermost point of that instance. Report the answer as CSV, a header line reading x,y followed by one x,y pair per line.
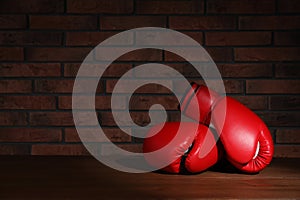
x,y
246,139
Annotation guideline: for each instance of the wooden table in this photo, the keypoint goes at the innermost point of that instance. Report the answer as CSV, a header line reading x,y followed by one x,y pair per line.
x,y
85,178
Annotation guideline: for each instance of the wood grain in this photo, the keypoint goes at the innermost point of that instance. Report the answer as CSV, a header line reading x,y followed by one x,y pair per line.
x,y
34,177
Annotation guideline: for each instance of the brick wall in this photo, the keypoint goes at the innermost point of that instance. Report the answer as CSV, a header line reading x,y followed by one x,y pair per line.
x,y
255,44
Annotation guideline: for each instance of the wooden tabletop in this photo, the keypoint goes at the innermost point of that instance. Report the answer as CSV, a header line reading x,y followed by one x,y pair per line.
x,y
85,178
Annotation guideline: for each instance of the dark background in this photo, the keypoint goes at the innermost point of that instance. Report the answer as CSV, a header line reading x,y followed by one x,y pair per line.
x,y
255,44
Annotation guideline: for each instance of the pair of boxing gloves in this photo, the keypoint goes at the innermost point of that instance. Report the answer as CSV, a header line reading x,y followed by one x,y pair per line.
x,y
245,140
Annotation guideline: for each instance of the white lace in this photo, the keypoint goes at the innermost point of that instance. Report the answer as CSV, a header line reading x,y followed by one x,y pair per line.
x,y
257,150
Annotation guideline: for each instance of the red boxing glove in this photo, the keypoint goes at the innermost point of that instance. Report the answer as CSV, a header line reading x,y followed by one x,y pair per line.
x,y
188,152
246,139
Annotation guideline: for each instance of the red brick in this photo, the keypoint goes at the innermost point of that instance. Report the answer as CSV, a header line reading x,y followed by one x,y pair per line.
x,y
13,118
196,35
65,102
113,134
54,86
234,86
51,119
63,22
101,102
231,86
267,54
288,6
159,38
30,38
174,116
139,133
11,54
253,102
30,135
142,55
287,151
106,150
236,70
64,86
129,22
71,69
88,38
56,54
13,21
97,7
273,86
237,38
114,70
149,88
218,54
246,70
30,69
137,55
285,103
141,102
240,7
287,136
27,102
34,6
15,86
269,22
202,22
139,118
284,70
169,7
14,149
59,150
280,119
185,69
61,119
287,38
